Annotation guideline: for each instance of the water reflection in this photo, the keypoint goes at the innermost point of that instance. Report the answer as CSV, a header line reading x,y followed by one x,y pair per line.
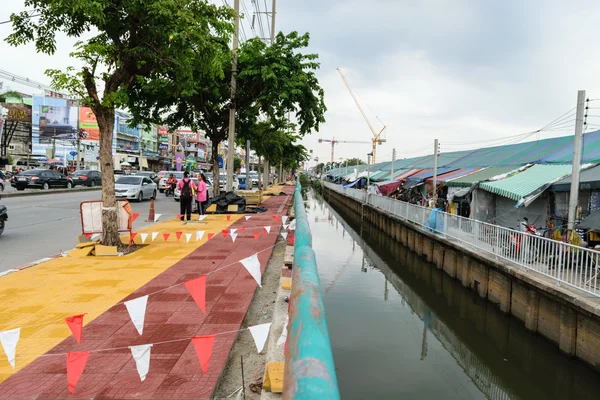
x,y
426,336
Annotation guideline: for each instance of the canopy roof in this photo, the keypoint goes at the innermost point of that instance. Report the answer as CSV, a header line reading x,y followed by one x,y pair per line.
x,y
481,175
448,176
588,179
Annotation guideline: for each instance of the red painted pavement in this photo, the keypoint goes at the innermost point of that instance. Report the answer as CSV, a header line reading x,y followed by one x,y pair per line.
x,y
175,372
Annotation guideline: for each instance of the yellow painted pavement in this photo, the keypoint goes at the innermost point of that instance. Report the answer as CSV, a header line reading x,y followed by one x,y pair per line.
x,y
38,299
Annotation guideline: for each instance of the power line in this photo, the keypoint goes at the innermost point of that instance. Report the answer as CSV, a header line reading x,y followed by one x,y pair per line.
x,y
260,24
267,16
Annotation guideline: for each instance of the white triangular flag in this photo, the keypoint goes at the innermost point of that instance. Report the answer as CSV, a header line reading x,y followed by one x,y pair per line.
x,y
285,227
260,334
232,231
284,235
284,219
156,217
240,395
95,236
154,235
137,312
199,235
252,265
141,355
201,217
144,236
233,236
188,236
292,225
9,340
268,229
247,217
283,336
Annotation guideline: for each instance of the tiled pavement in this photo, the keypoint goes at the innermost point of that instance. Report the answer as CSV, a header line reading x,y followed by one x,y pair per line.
x,y
171,314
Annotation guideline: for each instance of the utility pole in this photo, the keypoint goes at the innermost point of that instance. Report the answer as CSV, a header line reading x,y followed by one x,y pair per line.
x,y
577,147
436,147
266,167
393,160
248,180
346,167
273,21
231,131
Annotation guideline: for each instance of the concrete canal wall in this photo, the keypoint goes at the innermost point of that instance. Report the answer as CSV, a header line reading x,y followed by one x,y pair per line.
x,y
567,317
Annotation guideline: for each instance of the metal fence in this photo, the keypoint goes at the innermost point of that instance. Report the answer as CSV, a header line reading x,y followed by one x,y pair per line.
x,y
566,263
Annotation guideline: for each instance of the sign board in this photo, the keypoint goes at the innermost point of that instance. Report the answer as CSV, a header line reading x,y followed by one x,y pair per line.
x,y
88,122
91,216
73,153
18,112
163,146
163,139
220,162
162,131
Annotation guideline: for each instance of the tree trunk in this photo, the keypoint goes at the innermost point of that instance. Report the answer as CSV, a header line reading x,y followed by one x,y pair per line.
x,y
110,227
266,172
258,171
215,163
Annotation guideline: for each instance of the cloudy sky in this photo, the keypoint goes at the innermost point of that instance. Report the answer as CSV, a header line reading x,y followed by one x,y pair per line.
x,y
465,72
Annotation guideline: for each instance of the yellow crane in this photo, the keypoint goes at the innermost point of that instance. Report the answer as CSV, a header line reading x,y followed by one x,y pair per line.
x,y
334,142
377,139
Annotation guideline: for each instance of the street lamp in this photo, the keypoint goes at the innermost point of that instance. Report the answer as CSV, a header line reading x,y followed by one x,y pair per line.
x,y
369,155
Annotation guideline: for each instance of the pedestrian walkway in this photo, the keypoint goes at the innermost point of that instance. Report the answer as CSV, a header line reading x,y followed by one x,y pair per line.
x,y
38,299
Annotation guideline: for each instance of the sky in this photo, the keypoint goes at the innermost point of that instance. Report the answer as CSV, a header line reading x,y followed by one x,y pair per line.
x,y
465,72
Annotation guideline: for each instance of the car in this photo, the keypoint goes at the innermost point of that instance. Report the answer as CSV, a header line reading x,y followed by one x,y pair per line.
x,y
149,174
132,187
2,181
163,181
87,178
223,182
40,179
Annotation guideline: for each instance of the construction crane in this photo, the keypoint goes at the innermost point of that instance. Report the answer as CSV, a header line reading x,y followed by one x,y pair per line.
x,y
377,139
334,142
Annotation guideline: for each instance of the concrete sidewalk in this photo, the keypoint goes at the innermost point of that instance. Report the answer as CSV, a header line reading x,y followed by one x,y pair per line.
x,y
38,299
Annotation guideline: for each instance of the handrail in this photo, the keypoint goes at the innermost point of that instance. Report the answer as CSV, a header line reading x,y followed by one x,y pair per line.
x,y
309,371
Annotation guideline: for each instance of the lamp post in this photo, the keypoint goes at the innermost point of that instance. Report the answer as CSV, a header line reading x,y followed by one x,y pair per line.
x,y
369,155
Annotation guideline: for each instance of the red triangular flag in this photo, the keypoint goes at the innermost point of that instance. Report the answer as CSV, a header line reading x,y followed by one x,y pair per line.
x,y
276,218
210,235
256,235
88,236
134,217
178,234
241,230
179,216
132,236
75,366
291,240
225,232
166,236
228,218
75,324
204,346
197,288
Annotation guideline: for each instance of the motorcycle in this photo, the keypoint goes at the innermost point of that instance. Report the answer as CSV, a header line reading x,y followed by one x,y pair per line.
x,y
170,190
3,216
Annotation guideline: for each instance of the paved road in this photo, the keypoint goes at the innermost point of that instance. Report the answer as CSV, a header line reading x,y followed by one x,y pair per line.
x,y
44,225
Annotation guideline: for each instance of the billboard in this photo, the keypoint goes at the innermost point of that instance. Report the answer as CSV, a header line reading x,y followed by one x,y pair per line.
x,y
57,123
89,124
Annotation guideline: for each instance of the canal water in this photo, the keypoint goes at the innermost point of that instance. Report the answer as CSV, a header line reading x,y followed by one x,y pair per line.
x,y
402,329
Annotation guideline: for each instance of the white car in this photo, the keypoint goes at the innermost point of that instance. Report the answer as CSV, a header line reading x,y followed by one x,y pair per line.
x,y
223,183
133,187
162,184
209,186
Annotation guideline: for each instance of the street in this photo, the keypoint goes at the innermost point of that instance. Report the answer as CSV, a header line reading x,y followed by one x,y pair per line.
x,y
44,225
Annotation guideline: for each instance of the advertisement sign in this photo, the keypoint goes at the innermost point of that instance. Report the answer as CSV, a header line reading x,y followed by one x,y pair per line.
x,y
56,123
162,131
163,146
89,124
18,112
220,162
163,139
178,157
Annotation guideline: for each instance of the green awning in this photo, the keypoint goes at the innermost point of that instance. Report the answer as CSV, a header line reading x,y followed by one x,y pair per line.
x,y
518,186
479,176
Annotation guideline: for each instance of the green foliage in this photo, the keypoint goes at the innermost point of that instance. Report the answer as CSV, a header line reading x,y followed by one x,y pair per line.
x,y
11,159
237,163
354,161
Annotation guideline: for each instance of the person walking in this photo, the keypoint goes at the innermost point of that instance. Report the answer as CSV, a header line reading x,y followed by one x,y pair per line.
x,y
187,189
201,194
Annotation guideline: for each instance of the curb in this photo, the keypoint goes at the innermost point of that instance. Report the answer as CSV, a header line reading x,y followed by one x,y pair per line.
x,y
38,192
34,263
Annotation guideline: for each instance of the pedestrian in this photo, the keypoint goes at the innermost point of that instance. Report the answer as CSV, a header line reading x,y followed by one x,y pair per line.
x,y
201,194
186,188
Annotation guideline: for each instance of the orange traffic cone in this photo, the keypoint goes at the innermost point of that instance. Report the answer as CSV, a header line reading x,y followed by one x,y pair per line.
x,y
151,213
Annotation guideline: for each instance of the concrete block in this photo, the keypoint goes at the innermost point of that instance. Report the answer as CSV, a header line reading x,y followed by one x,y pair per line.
x,y
81,245
499,290
549,319
286,284
82,252
568,330
273,379
288,258
588,339
479,278
212,208
449,263
102,251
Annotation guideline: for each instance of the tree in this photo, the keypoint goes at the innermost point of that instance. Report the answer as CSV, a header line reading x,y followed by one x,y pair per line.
x,y
237,163
167,40
272,81
354,161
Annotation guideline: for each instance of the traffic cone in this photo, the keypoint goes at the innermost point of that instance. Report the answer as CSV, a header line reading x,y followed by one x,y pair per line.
x,y
151,213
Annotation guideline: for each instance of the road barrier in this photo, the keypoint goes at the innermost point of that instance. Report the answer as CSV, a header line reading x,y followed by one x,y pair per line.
x,y
566,263
309,367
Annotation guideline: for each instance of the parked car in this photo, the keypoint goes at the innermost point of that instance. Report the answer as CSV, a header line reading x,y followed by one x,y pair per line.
x,y
163,181
209,187
88,178
223,182
40,179
2,181
148,174
134,187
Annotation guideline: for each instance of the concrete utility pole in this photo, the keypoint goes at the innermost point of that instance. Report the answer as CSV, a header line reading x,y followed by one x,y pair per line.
x,y
393,160
436,147
231,131
248,180
273,21
346,167
577,147
266,167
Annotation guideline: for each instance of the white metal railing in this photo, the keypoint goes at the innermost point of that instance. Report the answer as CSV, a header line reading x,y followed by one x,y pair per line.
x,y
566,263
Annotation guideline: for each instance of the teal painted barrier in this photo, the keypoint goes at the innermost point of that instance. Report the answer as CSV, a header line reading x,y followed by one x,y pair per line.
x,y
309,367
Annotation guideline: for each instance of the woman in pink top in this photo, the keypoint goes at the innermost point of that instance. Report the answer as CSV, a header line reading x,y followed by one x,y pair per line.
x,y
201,194
187,191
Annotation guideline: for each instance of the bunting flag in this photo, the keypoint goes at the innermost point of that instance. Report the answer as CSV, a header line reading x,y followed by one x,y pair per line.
x,y
228,218
154,235
141,355
134,216
88,236
284,235
204,346
283,336
96,236
256,235
225,232
137,312
210,236
276,218
132,236
241,230
260,334
252,265
75,366
143,236
201,217
9,340
285,227
75,324
188,236
292,225
178,234
291,240
233,236
284,219
247,217
197,288
267,229
233,230
179,216
156,217
240,394
166,236
199,235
